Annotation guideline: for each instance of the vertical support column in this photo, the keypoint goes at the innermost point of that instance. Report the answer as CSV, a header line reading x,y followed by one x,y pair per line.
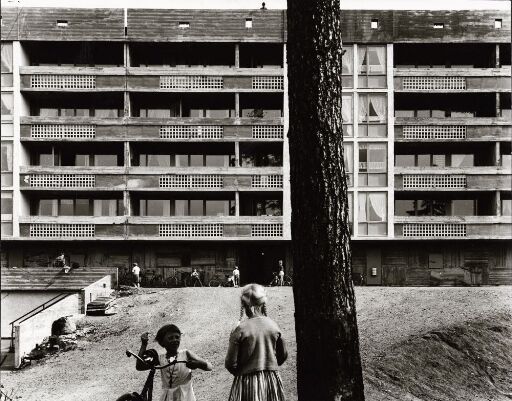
x,y
497,154
237,203
498,105
391,140
355,119
237,55
237,105
497,61
126,193
17,206
237,154
497,203
287,205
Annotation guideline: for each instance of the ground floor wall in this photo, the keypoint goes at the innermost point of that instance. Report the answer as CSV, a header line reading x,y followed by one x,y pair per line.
x,y
409,263
430,263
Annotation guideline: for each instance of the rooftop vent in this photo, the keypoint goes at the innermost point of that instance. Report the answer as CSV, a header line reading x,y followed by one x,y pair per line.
x,y
183,25
498,23
374,24
62,23
248,22
438,25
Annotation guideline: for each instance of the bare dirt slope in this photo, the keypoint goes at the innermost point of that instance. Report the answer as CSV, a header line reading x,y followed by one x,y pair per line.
x,y
420,344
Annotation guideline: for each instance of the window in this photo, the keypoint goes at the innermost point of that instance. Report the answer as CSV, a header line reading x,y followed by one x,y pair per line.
x,y
464,160
506,207
438,25
372,213
347,107
348,153
371,66
183,25
66,207
7,104
497,23
108,207
6,163
351,211
107,113
463,207
7,130
372,164
248,23
372,108
347,69
404,160
47,207
217,208
405,207
6,59
6,229
62,23
268,207
6,204
105,160
374,24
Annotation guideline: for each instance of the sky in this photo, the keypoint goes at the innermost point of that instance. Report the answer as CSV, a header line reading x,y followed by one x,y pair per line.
x,y
270,4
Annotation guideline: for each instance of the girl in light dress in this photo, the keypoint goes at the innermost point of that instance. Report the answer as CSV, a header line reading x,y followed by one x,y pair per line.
x,y
177,378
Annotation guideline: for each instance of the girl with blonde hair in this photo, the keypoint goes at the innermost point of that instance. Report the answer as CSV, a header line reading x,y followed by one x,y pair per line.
x,y
256,349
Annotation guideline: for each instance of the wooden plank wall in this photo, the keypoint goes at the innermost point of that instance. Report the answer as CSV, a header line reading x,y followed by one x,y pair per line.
x,y
206,25
37,23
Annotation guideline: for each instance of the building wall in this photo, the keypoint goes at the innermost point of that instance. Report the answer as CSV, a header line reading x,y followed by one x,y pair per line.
x,y
377,129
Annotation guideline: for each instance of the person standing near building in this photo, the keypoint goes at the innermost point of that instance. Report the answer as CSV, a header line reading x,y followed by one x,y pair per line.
x,y
136,275
281,276
195,279
236,277
256,350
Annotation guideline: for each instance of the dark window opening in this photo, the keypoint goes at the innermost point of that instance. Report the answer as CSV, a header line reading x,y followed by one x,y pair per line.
x,y
259,55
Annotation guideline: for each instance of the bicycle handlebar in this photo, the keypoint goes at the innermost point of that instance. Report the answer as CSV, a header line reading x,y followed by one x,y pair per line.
x,y
145,362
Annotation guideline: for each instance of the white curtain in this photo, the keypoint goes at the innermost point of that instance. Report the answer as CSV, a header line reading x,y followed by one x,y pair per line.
x,y
361,59
348,61
377,157
363,108
6,57
348,153
378,107
361,201
377,207
376,60
346,108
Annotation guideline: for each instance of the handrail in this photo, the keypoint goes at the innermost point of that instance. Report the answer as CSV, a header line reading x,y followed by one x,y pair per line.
x,y
35,311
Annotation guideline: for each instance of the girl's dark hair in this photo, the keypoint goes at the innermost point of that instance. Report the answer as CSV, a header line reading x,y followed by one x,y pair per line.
x,y
168,328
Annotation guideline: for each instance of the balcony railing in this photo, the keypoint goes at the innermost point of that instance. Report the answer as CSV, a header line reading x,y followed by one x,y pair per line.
x,y
451,227
451,178
452,79
156,228
181,129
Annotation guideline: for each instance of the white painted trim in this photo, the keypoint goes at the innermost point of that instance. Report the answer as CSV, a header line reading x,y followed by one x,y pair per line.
x,y
287,206
391,141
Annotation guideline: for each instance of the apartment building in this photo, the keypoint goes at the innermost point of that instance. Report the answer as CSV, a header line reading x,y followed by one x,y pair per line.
x,y
138,135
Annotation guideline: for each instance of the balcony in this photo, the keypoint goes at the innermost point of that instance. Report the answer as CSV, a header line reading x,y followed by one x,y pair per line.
x,y
205,178
439,80
153,228
72,79
205,79
450,179
431,129
455,227
66,178
152,178
175,129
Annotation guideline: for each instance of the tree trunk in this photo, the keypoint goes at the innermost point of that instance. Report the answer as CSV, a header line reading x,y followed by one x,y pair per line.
x,y
328,360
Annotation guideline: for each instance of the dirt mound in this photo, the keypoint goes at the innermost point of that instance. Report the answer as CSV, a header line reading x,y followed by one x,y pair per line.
x,y
472,361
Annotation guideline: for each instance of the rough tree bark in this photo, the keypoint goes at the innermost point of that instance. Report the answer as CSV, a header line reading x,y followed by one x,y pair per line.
x,y
328,360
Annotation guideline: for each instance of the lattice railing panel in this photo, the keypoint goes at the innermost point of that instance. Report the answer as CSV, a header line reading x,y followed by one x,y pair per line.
x,y
191,181
434,83
267,230
51,230
434,181
267,132
272,83
191,82
435,132
55,131
434,230
267,181
62,180
63,81
191,132
191,230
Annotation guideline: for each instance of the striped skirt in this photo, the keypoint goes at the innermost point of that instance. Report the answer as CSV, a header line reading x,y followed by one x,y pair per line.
x,y
265,385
